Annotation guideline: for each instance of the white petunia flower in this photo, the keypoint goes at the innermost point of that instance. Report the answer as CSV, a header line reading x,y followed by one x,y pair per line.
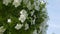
x,y
6,2
23,16
18,26
9,20
26,26
2,29
17,2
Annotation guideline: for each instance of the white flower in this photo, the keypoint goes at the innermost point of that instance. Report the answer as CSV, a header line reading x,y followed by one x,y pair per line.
x,y
6,2
26,26
36,6
9,20
23,12
25,1
42,2
17,2
23,15
29,6
2,29
18,26
22,18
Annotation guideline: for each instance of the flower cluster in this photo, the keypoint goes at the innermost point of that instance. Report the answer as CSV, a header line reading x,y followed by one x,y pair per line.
x,y
16,3
23,15
29,15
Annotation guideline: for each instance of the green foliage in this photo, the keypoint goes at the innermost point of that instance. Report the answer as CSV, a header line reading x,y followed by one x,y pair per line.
x,y
13,13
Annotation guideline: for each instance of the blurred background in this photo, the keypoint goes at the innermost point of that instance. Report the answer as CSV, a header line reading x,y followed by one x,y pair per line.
x,y
53,8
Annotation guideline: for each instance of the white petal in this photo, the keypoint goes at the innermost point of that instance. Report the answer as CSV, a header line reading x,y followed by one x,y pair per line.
x,y
23,15
37,8
25,1
18,26
33,20
2,29
9,21
26,26
35,32
22,18
42,2
6,2
37,4
23,12
17,2
32,13
29,6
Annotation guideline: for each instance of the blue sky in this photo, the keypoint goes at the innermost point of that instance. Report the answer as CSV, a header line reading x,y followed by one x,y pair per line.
x,y
53,8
